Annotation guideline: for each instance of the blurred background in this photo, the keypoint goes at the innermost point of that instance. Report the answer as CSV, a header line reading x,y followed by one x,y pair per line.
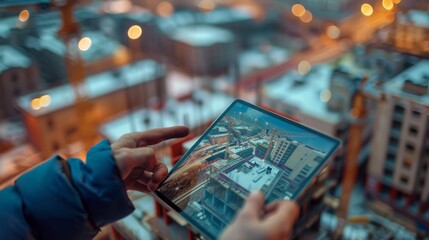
x,y
74,72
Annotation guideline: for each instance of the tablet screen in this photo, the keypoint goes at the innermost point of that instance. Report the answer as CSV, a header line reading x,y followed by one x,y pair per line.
x,y
246,149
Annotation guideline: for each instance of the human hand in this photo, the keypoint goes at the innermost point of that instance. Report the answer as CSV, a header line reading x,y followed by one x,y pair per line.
x,y
256,221
138,166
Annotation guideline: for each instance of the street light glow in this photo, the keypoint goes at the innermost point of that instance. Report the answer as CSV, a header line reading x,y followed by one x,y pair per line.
x,y
307,17
35,104
325,95
304,67
387,4
134,32
85,44
165,9
298,10
45,100
366,9
206,5
333,32
24,15
396,1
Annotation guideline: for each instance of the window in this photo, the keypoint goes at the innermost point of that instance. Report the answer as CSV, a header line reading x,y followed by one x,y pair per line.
x,y
416,113
413,130
410,147
404,180
396,124
388,172
399,109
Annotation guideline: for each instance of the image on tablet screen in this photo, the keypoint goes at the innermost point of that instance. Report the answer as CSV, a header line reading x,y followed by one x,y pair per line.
x,y
245,150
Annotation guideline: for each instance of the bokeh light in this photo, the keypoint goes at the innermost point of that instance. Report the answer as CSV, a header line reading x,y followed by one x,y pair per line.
x,y
333,32
165,9
135,32
206,5
304,67
85,44
24,15
298,10
307,17
45,100
387,4
325,95
366,9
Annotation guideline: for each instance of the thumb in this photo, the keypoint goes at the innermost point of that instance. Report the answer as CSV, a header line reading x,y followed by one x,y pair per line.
x,y
129,158
253,206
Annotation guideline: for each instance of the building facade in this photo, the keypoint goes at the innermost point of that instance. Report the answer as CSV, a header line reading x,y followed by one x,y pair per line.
x,y
398,170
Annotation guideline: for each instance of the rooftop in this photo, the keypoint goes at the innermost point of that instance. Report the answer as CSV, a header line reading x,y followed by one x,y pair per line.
x,y
95,86
202,35
187,113
416,17
102,46
305,96
418,73
11,57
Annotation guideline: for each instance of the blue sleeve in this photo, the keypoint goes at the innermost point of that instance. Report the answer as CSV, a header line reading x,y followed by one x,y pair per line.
x,y
65,200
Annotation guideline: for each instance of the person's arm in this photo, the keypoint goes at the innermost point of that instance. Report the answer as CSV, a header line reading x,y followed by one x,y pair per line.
x,y
71,200
258,222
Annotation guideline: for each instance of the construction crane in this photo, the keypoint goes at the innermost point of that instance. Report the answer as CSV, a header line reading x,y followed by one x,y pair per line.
x,y
270,145
70,34
234,132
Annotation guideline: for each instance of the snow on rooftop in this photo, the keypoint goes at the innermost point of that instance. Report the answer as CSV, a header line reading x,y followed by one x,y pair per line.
x,y
255,59
257,177
417,17
95,86
10,57
306,97
173,114
102,46
238,149
202,36
418,72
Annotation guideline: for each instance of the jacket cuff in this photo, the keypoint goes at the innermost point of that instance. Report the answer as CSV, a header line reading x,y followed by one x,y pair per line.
x,y
100,185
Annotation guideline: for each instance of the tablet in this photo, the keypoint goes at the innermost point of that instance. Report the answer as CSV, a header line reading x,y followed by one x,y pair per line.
x,y
247,148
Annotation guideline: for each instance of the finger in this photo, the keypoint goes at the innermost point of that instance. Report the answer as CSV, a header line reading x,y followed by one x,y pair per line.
x,y
282,219
253,206
159,174
158,135
139,187
272,207
129,158
145,177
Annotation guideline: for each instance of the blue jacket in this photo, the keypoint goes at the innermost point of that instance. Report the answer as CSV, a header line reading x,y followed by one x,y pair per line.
x,y
65,199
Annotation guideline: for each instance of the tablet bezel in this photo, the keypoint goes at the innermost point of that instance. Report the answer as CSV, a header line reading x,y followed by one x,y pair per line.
x,y
329,156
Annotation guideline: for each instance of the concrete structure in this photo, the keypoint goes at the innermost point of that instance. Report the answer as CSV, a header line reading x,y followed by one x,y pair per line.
x,y
50,115
398,170
203,50
409,32
18,76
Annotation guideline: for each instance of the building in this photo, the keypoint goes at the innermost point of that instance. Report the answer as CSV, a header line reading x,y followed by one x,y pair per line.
x,y
398,171
219,138
409,32
261,150
50,115
203,50
18,76
241,151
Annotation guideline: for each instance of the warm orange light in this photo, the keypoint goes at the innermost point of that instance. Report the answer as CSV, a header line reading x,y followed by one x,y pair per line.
x,y
333,32
304,67
298,10
325,95
307,17
45,100
165,9
387,4
24,15
36,104
206,5
85,44
135,32
366,9
396,1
